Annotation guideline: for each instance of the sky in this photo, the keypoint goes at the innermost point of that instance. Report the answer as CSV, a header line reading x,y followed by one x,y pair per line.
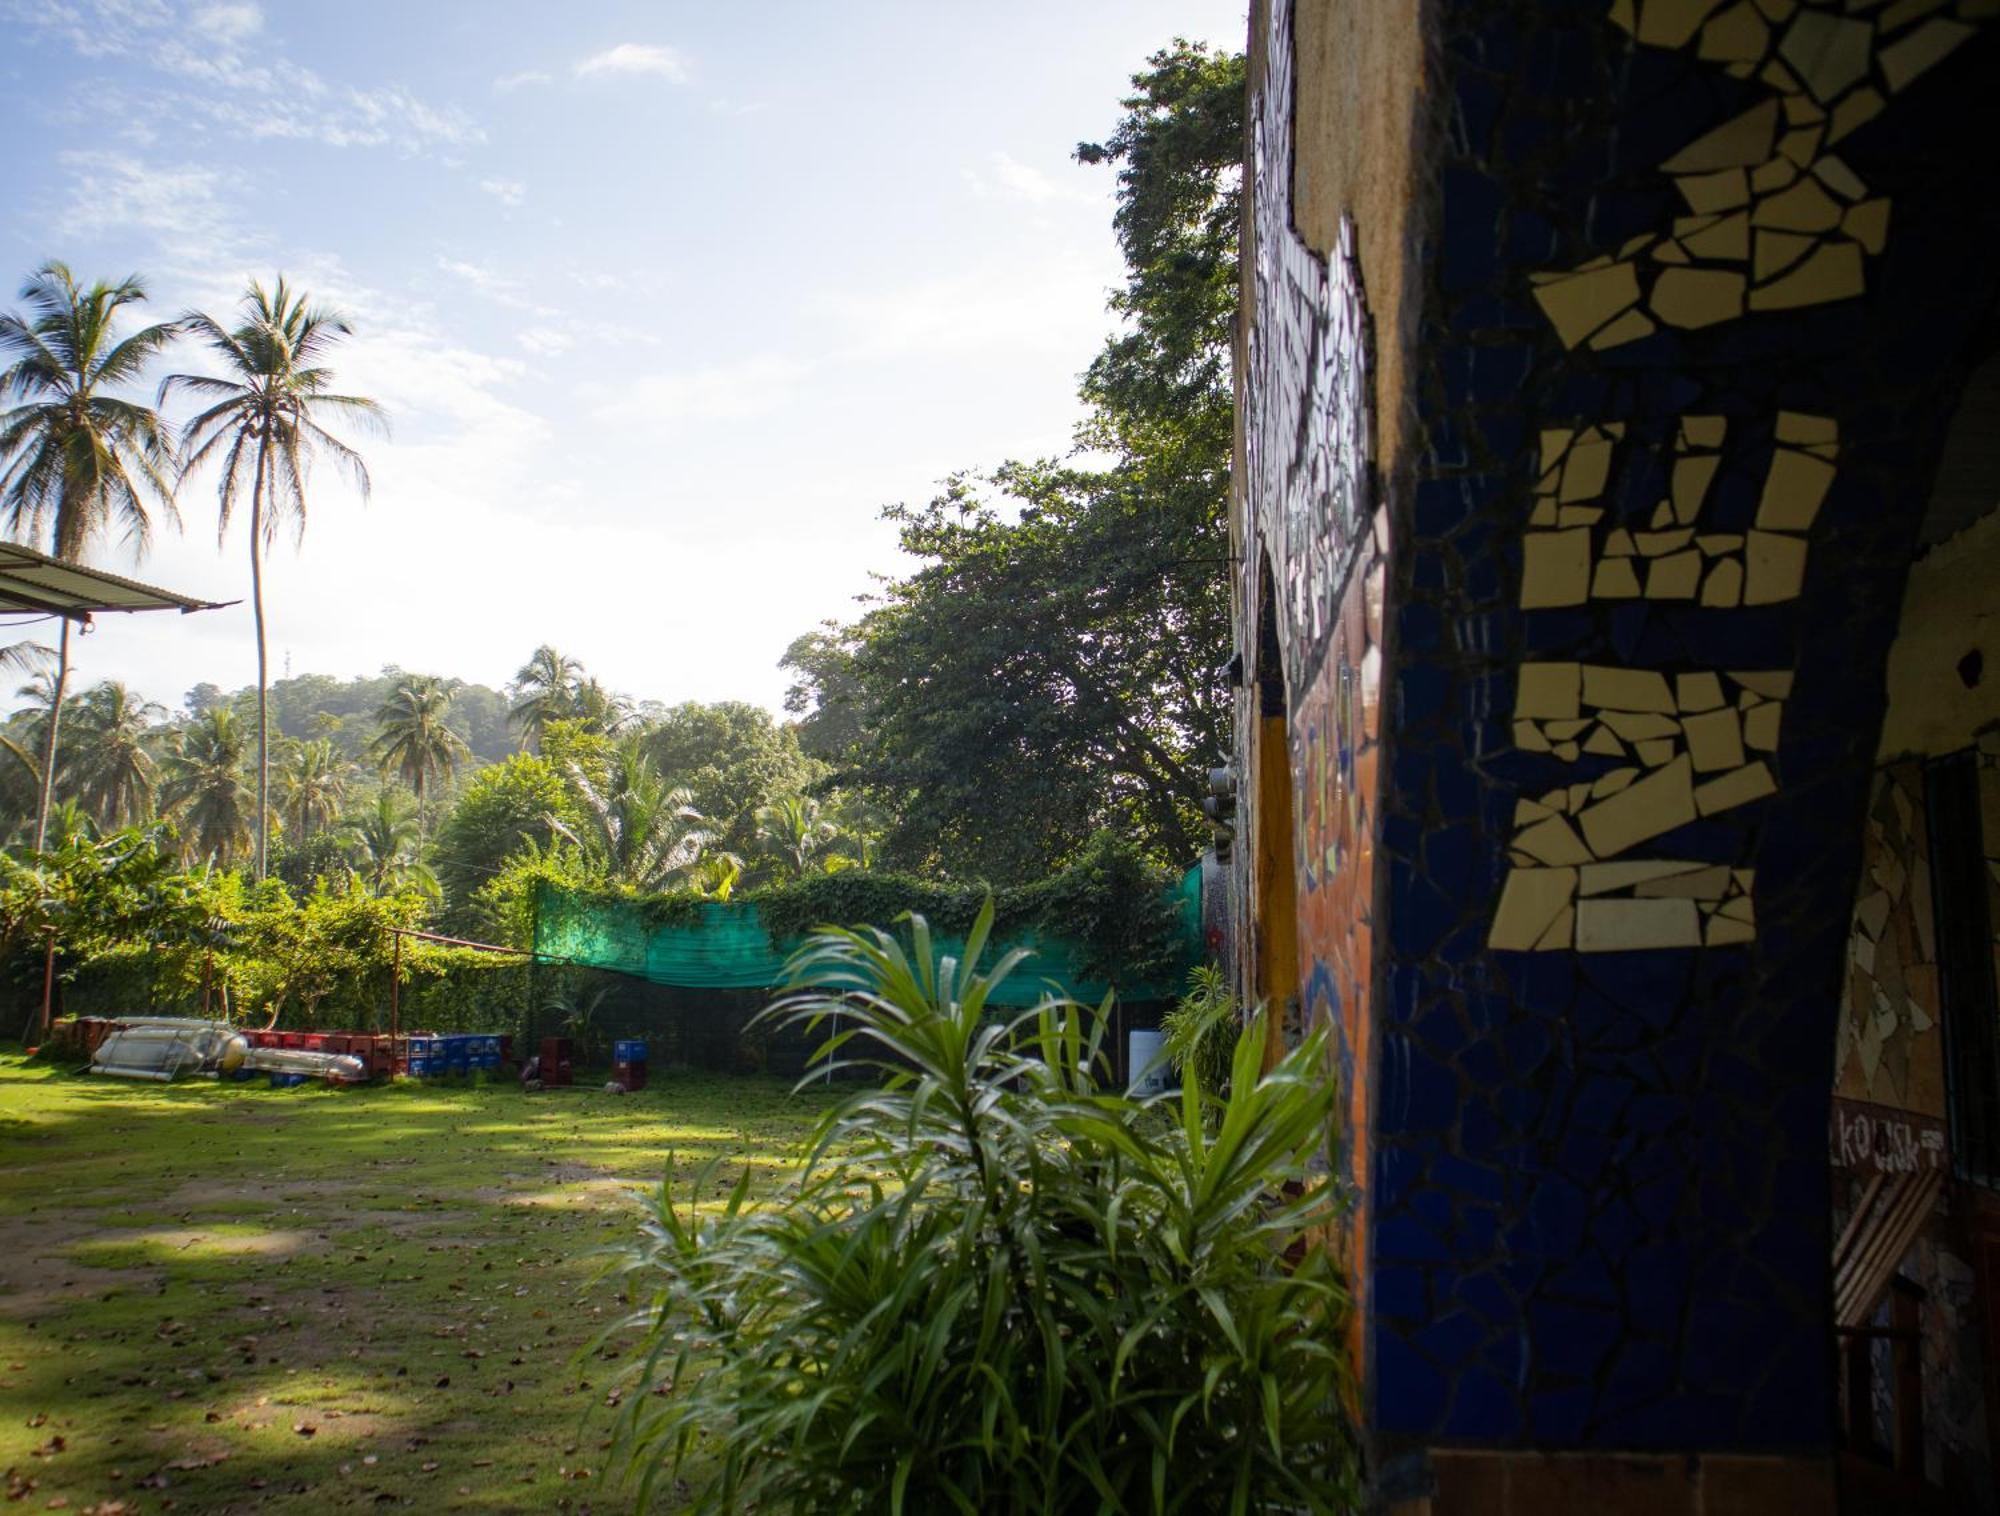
x,y
665,301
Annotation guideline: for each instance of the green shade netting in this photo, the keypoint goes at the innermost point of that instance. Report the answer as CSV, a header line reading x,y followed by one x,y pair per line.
x,y
725,947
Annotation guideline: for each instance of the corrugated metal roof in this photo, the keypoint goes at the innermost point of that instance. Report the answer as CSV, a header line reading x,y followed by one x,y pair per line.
x,y
33,582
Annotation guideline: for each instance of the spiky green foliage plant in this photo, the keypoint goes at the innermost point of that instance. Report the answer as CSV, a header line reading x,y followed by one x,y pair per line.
x,y
997,1283
1203,1027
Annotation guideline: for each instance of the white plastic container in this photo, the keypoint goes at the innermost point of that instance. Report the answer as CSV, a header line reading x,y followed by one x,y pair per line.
x,y
1146,1057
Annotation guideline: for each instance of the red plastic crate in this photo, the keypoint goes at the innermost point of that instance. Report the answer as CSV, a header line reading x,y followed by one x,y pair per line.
x,y
556,1056
373,1051
631,1075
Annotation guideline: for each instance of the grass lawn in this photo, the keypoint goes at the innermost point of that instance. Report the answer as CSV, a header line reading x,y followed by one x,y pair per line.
x,y
232,1298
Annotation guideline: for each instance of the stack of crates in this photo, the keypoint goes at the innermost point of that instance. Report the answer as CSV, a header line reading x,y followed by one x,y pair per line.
x,y
421,1051
628,1063
557,1061
376,1052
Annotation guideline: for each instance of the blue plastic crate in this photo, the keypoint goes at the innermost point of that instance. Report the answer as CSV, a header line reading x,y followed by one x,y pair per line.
x,y
632,1051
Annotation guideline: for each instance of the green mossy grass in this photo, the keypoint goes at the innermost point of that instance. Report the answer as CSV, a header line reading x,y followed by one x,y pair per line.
x,y
193,1275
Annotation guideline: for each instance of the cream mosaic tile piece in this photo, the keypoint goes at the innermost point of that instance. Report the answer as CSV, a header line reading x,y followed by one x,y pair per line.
x,y
1776,219
1694,746
1572,552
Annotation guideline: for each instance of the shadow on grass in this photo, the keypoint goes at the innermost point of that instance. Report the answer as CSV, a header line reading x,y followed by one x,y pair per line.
x,y
240,1298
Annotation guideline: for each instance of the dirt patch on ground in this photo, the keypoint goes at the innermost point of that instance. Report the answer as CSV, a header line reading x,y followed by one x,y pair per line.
x,y
37,1273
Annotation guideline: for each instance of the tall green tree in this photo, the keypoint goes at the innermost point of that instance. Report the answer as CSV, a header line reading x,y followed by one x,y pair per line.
x,y
387,839
544,690
733,758
1049,668
631,825
110,769
1178,151
312,788
205,789
263,422
414,740
503,809
78,459
796,838
601,710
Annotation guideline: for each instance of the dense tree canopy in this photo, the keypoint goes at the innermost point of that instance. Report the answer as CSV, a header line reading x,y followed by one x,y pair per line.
x,y
1050,668
733,758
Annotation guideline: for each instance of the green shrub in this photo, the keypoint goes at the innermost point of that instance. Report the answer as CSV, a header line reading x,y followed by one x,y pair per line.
x,y
997,1284
1203,1028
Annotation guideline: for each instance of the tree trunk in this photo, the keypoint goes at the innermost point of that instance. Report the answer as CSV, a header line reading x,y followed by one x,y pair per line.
x,y
263,683
49,749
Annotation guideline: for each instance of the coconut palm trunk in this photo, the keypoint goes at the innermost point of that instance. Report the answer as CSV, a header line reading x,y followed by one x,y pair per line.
x,y
49,747
263,658
267,418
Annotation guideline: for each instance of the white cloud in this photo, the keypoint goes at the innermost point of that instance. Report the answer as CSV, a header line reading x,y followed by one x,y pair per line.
x,y
509,192
494,285
1008,178
515,81
545,341
1052,305
721,392
636,58
180,205
228,21
96,29
258,92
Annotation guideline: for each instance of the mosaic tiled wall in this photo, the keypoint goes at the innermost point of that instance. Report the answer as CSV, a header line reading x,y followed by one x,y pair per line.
x,y
1889,1045
1701,276
1890,1113
1308,499
1311,519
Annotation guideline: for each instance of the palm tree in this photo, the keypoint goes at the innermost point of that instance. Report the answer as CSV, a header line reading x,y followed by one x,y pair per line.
x,y
264,422
313,787
110,768
544,691
715,877
77,459
205,788
635,828
794,833
413,742
597,709
386,838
